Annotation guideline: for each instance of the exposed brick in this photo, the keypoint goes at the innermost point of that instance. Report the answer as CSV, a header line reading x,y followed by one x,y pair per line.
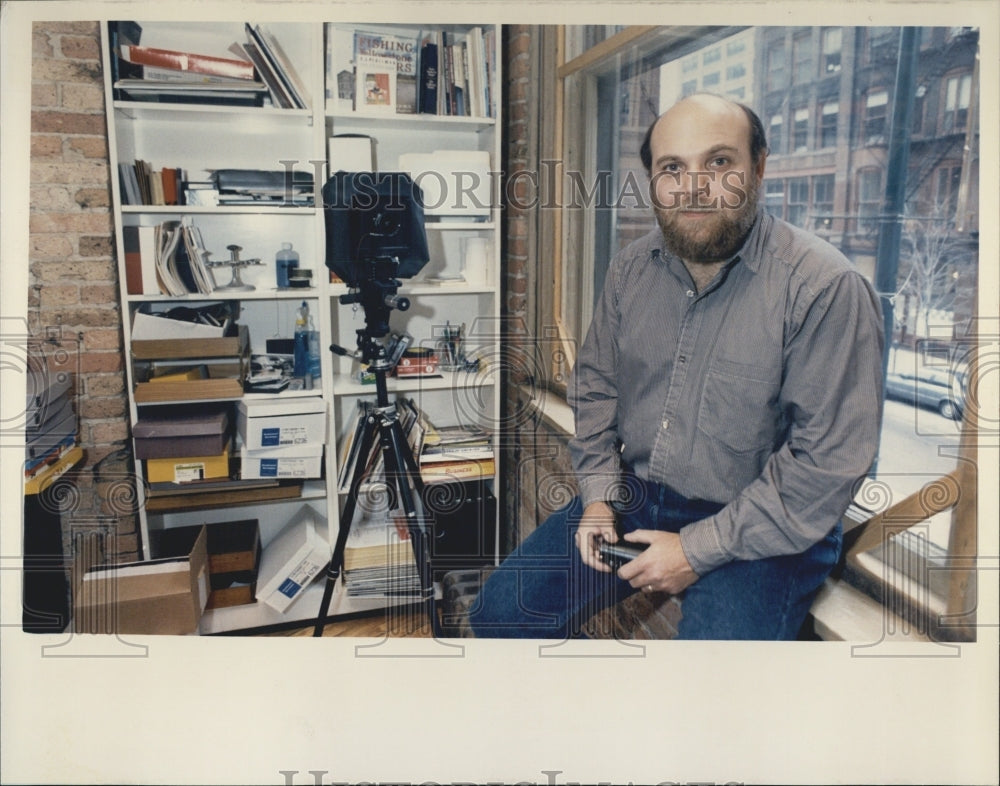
x,y
50,247
86,317
102,408
100,362
52,198
91,223
83,97
88,28
80,47
46,146
96,246
47,122
97,293
43,70
93,197
106,384
78,173
41,44
101,339
90,147
44,94
108,431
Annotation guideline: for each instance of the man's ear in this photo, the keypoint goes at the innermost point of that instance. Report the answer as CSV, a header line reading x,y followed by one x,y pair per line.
x,y
760,166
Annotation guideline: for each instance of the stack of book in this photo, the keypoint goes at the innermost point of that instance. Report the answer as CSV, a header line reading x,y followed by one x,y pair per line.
x,y
457,453
378,560
435,72
50,424
259,73
167,259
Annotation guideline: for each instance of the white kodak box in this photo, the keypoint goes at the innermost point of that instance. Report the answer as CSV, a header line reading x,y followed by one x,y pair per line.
x,y
281,423
295,557
294,462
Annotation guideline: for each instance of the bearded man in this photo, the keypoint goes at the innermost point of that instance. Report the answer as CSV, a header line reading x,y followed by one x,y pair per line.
x,y
727,397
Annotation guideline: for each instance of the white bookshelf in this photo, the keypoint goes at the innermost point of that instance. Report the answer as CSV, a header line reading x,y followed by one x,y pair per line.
x,y
201,138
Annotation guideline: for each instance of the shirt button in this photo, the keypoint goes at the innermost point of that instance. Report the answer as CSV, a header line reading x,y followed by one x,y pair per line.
x,y
666,423
690,293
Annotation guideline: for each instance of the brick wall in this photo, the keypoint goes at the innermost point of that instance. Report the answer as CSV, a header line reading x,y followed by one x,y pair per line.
x,y
73,287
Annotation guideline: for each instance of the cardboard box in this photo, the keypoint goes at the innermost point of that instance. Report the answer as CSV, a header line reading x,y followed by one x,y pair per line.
x,y
274,424
297,462
296,556
234,552
187,468
176,433
161,596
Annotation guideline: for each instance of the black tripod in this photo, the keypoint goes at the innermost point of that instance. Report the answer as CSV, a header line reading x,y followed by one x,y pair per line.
x,y
402,475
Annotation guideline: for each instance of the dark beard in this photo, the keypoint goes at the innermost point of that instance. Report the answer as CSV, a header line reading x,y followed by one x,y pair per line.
x,y
711,241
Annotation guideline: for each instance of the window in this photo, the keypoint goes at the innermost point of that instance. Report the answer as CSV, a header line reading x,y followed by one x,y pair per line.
x,y
800,130
832,37
875,118
798,201
828,124
918,109
775,140
802,58
711,80
822,202
712,56
834,186
958,91
870,198
949,179
774,196
777,67
881,42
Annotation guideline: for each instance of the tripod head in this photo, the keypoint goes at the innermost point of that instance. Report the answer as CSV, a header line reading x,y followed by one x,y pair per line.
x,y
376,293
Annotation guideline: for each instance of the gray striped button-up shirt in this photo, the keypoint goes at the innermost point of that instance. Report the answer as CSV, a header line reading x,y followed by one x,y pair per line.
x,y
762,392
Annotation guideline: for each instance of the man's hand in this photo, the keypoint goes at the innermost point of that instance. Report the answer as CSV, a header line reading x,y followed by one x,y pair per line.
x,y
662,567
598,521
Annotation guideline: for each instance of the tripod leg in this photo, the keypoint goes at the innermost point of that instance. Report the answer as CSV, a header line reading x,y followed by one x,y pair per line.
x,y
402,468
336,562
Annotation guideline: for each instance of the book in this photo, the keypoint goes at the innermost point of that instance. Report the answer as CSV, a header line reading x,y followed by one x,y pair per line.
x,y
456,471
375,84
186,61
427,98
403,51
279,64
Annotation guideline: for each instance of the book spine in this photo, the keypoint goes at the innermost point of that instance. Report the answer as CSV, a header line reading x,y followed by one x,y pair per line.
x,y
187,61
428,79
133,260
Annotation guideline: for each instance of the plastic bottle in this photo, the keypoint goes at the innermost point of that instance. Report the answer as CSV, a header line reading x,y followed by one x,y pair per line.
x,y
313,340
301,341
285,259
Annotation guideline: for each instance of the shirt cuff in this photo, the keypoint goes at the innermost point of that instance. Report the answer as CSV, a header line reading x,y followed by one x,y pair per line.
x,y
599,488
702,548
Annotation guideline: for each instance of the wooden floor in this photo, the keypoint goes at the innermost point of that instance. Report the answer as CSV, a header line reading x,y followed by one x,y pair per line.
x,y
406,623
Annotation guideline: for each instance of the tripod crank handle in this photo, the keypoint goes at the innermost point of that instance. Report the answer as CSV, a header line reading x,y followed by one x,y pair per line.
x,y
339,350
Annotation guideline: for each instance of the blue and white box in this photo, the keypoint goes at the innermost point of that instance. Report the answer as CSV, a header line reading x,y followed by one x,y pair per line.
x,y
281,423
293,559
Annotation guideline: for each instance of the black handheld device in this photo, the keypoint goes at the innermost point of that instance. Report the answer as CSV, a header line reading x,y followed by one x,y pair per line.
x,y
617,554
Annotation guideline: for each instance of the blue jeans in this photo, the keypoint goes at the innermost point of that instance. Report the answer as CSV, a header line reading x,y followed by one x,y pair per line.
x,y
543,589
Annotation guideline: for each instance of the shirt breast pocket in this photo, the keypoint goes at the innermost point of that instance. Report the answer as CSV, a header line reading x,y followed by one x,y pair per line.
x,y
739,405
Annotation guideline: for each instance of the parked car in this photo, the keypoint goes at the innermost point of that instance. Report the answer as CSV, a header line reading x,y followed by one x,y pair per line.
x,y
938,390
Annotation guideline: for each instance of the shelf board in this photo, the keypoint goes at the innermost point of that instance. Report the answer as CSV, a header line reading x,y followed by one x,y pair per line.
x,y
421,288
272,293
152,109
411,123
227,210
221,498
